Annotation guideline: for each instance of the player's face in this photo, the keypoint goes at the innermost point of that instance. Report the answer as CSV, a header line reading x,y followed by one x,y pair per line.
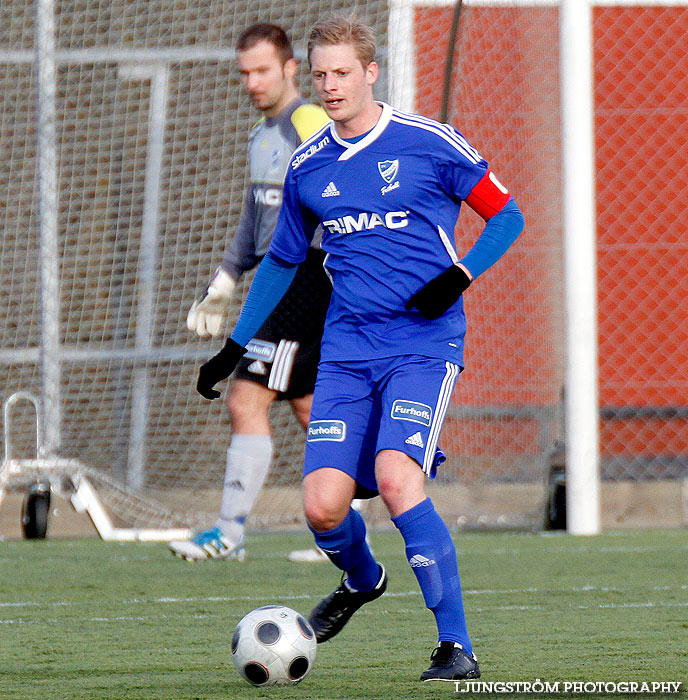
x,y
345,88
268,82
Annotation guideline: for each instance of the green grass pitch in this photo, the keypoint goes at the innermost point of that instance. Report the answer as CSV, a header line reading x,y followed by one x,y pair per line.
x,y
89,619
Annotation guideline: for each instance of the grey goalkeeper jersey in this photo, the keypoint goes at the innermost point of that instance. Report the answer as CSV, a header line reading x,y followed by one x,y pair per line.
x,y
270,146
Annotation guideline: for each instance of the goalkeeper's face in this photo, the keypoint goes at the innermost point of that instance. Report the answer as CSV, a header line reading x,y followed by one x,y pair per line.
x,y
345,86
268,82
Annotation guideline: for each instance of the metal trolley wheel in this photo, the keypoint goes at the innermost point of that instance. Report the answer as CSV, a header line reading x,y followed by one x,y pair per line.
x,y
48,472
36,506
35,510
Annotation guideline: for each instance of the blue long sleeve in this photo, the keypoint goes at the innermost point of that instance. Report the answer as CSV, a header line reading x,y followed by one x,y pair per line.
x,y
272,280
499,233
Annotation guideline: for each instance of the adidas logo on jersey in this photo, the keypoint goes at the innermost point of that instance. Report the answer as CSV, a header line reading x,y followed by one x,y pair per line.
x,y
330,191
418,560
416,440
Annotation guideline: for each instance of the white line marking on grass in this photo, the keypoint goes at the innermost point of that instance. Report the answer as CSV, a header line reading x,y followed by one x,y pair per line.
x,y
511,608
303,596
649,604
579,549
571,550
402,611
24,604
388,594
573,589
118,618
224,599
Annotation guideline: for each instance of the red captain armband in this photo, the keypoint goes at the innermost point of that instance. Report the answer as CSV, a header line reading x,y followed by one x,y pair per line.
x,y
488,197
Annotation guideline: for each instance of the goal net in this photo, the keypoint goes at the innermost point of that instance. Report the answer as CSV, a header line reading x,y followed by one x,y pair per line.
x,y
150,137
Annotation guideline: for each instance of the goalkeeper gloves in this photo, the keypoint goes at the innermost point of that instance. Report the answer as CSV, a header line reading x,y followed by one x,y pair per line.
x,y
440,293
219,367
206,316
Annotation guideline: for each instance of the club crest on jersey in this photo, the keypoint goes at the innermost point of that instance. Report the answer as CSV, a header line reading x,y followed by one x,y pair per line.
x,y
388,169
332,430
275,158
412,411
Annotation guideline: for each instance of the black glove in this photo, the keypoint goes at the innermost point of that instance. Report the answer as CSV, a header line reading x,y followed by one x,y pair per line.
x,y
218,367
440,293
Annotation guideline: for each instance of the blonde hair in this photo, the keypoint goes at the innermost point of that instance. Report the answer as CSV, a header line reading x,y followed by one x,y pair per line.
x,y
339,29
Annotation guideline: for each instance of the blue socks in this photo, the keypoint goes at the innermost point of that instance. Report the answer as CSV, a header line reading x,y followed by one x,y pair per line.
x,y
348,550
432,556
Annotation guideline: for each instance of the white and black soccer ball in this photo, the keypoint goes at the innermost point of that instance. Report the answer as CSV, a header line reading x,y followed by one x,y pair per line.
x,y
273,645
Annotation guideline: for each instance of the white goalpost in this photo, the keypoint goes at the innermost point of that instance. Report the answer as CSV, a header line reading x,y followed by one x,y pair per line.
x,y
580,269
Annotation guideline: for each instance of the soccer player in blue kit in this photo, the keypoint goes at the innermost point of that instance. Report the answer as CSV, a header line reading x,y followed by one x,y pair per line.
x,y
387,188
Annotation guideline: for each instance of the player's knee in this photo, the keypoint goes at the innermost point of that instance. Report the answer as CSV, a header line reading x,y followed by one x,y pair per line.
x,y
398,495
247,407
323,514
322,522
236,399
327,495
400,481
302,412
391,490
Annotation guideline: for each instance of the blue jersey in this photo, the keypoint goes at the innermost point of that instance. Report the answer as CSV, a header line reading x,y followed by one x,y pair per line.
x,y
388,205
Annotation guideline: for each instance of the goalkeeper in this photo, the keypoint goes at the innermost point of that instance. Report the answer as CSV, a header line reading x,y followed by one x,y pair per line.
x,y
282,359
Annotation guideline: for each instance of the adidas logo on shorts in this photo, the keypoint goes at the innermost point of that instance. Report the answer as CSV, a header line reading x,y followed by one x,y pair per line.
x,y
416,440
330,191
257,367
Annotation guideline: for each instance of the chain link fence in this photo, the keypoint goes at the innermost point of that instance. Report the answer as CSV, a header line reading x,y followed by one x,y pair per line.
x,y
506,416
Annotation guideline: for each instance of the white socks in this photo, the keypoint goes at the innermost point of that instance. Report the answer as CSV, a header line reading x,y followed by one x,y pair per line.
x,y
248,462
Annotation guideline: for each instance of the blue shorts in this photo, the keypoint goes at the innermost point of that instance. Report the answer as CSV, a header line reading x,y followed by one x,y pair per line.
x,y
360,408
